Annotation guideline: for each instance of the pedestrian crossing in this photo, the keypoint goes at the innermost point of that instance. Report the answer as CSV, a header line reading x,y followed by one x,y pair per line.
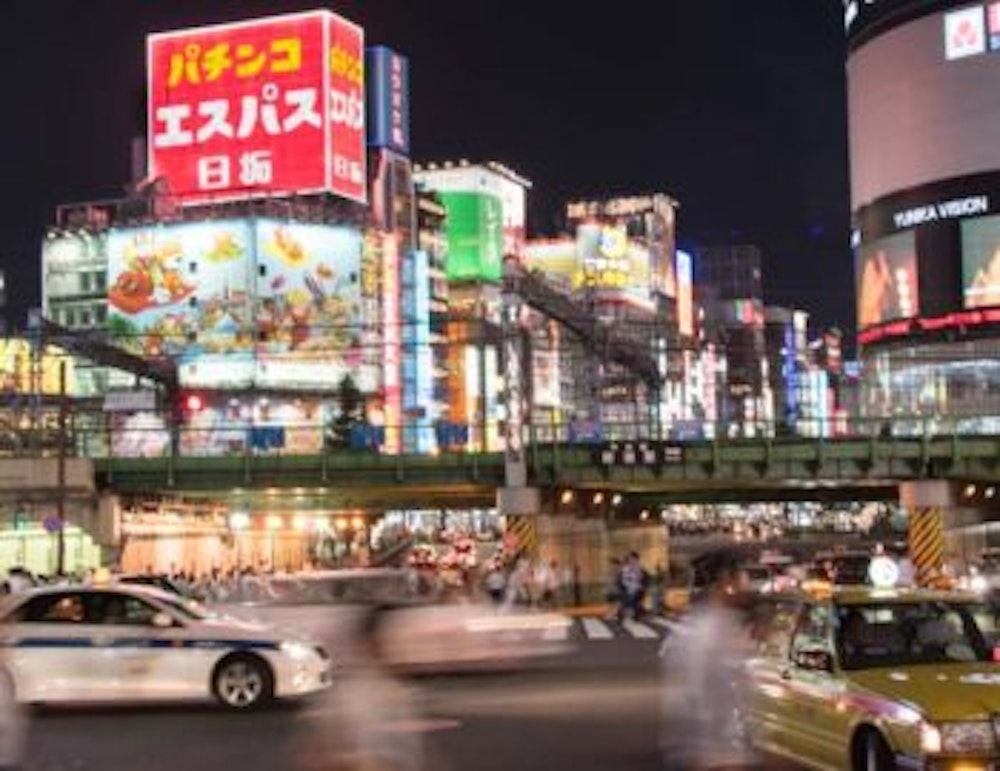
x,y
603,629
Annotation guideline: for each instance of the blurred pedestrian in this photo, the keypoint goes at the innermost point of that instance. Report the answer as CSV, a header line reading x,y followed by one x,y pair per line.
x,y
703,668
370,721
657,589
633,584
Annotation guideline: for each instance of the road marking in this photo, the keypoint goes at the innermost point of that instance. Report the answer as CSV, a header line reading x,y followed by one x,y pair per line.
x,y
639,631
596,630
556,632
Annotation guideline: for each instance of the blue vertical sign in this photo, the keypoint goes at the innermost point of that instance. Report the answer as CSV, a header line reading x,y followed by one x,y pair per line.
x,y
418,363
389,96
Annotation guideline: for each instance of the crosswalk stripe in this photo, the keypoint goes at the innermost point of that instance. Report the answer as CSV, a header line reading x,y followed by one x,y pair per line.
x,y
639,631
596,630
557,633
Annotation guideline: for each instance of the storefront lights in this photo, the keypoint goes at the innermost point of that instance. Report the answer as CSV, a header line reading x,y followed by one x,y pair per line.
x,y
239,520
274,522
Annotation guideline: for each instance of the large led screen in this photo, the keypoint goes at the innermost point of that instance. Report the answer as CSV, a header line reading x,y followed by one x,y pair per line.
x,y
887,283
981,262
918,116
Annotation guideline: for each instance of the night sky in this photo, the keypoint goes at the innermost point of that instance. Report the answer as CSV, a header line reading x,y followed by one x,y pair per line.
x,y
736,108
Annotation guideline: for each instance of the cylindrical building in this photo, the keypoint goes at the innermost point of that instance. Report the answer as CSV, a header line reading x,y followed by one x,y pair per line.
x,y
924,114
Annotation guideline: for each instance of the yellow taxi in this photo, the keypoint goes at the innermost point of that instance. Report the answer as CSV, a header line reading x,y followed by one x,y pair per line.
x,y
873,678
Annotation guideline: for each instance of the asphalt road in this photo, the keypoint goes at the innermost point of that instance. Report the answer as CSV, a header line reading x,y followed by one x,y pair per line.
x,y
597,707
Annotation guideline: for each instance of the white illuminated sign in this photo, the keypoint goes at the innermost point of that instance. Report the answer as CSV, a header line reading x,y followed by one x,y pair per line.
x,y
964,33
957,208
883,573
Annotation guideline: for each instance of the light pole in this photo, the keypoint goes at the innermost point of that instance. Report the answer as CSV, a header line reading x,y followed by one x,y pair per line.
x,y
61,474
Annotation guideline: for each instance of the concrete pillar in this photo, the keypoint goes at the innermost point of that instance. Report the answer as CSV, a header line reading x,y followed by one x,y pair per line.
x,y
927,503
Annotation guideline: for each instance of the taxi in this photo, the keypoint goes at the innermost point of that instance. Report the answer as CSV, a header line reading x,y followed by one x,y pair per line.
x,y
877,678
133,643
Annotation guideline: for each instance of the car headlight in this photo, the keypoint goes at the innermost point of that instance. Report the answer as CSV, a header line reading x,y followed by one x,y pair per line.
x,y
297,650
972,737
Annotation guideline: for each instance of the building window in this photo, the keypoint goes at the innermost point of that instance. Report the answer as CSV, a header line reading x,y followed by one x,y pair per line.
x,y
100,280
101,314
85,318
69,317
84,282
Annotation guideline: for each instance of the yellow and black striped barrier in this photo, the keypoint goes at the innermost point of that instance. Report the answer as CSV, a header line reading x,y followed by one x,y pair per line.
x,y
926,542
521,536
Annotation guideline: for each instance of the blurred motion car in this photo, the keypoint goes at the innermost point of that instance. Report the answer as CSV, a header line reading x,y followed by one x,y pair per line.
x,y
420,636
877,679
132,643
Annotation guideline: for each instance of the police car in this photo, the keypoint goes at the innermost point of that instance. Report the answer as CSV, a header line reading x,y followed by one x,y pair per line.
x,y
133,643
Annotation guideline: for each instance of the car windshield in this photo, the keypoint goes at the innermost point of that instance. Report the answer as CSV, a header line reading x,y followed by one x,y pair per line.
x,y
895,634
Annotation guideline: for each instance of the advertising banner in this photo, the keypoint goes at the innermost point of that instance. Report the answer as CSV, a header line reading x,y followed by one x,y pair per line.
x,y
347,142
887,281
556,259
981,262
309,315
183,291
273,106
613,264
475,237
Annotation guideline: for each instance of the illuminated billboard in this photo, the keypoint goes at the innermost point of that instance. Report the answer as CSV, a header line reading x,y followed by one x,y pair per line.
x,y
266,107
614,265
649,220
886,280
183,291
389,97
242,302
24,372
309,314
555,258
492,179
981,262
474,228
685,293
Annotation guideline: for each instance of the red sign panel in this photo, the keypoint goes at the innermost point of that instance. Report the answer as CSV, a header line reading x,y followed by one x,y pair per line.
x,y
347,141
244,109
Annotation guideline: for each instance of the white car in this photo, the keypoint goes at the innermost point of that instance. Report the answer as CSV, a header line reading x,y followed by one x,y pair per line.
x,y
132,643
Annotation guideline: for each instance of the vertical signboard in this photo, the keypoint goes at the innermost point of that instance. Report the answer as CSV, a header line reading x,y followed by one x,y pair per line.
x,y
272,106
392,345
685,294
475,236
346,128
389,94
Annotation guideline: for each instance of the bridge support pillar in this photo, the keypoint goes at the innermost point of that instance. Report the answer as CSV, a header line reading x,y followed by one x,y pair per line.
x,y
928,503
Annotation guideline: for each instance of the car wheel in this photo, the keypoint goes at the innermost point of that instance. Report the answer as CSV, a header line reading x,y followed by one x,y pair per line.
x,y
871,753
243,683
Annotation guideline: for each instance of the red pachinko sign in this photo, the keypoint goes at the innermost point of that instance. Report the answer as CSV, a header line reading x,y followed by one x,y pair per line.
x,y
247,109
348,141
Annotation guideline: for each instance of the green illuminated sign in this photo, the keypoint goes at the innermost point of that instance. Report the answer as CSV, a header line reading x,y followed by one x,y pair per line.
x,y
475,236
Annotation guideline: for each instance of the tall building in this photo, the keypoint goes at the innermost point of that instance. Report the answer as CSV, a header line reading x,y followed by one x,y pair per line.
x,y
731,278
925,178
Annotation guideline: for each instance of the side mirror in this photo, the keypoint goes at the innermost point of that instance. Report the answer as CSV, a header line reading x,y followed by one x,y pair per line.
x,y
814,660
162,621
